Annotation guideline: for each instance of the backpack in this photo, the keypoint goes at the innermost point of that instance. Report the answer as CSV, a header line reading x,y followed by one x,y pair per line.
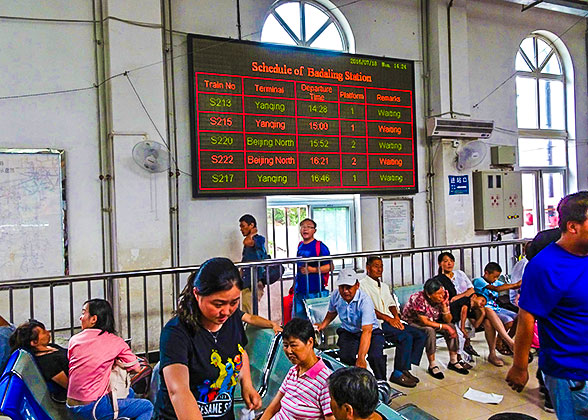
x,y
118,386
141,381
270,273
325,276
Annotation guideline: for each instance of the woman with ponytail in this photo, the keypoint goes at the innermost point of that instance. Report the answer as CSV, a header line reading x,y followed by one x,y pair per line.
x,y
92,354
202,351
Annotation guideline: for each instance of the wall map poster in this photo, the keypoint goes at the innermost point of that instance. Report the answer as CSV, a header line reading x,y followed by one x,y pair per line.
x,y
32,213
272,119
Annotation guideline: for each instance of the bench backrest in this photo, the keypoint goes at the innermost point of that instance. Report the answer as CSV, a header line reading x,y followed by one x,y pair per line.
x,y
262,348
24,393
316,310
404,292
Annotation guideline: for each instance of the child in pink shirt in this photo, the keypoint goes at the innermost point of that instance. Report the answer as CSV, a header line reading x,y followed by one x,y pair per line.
x,y
92,353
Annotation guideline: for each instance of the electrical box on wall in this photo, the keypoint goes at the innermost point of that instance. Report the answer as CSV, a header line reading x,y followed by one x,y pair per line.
x,y
497,200
502,155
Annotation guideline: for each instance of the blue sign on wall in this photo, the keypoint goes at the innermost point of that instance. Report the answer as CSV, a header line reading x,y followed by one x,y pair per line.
x,y
458,184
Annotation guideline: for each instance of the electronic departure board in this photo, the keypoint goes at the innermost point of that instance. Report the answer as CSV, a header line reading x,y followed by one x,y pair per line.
x,y
288,120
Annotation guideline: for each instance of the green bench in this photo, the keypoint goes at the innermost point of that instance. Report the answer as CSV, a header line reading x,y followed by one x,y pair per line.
x,y
269,366
316,310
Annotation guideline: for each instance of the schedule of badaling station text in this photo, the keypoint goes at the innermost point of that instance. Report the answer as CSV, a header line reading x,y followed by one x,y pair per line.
x,y
261,133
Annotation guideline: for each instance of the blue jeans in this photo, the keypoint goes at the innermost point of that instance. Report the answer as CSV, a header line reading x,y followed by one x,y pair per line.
x,y
409,342
133,408
570,398
348,343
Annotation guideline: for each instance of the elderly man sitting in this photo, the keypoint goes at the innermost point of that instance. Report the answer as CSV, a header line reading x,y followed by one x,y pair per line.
x,y
360,334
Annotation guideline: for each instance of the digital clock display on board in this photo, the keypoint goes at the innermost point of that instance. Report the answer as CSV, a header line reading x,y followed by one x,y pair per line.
x,y
271,119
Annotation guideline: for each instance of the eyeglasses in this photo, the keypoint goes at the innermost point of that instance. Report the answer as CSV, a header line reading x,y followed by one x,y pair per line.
x,y
307,227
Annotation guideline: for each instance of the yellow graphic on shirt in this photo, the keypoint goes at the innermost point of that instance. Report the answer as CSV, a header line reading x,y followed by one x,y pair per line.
x,y
215,398
217,361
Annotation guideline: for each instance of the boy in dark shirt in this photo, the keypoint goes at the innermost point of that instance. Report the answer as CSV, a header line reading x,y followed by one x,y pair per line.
x,y
253,250
468,307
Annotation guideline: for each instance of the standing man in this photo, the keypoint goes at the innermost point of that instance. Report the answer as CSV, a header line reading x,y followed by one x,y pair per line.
x,y
253,250
360,335
309,276
554,293
410,341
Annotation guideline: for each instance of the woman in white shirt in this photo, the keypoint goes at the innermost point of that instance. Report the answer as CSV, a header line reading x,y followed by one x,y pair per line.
x,y
463,285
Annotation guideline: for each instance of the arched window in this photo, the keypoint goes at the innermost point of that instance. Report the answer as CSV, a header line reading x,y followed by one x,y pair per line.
x,y
308,24
540,86
315,24
544,127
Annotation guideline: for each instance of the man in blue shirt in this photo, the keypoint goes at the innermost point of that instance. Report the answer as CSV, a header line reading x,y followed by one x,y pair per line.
x,y
309,276
554,293
253,250
360,334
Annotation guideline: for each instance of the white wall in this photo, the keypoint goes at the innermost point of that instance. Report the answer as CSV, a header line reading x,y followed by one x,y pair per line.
x,y
38,57
42,57
497,29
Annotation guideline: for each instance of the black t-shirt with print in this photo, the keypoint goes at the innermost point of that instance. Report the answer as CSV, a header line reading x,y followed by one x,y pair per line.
x,y
447,284
213,360
456,305
51,364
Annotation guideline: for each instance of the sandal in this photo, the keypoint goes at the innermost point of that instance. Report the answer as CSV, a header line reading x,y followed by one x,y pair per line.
x,y
505,351
470,350
457,367
435,372
502,348
496,361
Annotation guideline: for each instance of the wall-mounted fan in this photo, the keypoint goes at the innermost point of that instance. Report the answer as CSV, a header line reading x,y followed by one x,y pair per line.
x,y
471,155
151,156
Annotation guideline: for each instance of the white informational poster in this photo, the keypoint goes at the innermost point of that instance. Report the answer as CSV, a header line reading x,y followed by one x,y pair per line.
x,y
396,217
32,214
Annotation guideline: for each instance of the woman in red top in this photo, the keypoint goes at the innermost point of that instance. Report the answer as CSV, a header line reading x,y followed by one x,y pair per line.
x,y
429,311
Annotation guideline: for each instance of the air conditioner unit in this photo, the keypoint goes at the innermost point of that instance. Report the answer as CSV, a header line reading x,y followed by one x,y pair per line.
x,y
459,128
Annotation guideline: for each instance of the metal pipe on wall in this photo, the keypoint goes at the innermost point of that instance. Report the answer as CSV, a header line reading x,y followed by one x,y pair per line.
x,y
171,132
171,126
450,57
239,19
103,120
426,77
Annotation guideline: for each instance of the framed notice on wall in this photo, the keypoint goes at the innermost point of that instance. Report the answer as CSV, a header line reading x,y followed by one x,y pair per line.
x,y
396,223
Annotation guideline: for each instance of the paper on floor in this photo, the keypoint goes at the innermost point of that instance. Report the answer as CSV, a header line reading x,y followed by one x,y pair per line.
x,y
483,397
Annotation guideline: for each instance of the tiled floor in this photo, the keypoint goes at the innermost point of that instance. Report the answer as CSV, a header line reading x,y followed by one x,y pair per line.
x,y
444,398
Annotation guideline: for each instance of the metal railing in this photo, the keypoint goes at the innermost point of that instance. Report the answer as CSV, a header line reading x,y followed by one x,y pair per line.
x,y
144,300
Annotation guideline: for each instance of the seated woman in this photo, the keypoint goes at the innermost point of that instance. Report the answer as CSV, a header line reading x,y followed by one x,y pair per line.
x,y
462,287
51,358
429,311
304,394
202,355
461,282
92,354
